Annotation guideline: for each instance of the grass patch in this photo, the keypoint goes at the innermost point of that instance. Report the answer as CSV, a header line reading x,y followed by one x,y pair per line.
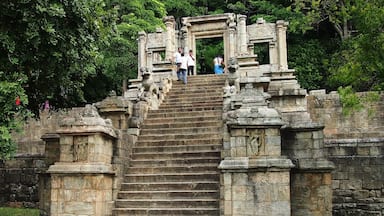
x,y
5,211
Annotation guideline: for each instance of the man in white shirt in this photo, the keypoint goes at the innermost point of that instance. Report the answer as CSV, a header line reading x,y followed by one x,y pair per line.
x,y
183,68
190,63
177,61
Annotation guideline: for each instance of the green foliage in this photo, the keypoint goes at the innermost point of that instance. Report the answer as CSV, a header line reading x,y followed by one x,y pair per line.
x,y
4,211
206,50
47,50
11,115
184,8
262,52
359,63
54,45
351,102
272,11
120,56
307,57
317,12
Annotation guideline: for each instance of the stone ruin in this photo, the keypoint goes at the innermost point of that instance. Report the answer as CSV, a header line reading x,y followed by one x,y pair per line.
x,y
274,160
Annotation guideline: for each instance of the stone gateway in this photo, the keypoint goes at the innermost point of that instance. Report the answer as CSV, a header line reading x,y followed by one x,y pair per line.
x,y
248,142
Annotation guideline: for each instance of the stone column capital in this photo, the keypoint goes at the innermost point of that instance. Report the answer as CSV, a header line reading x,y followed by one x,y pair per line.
x,y
169,20
282,24
241,17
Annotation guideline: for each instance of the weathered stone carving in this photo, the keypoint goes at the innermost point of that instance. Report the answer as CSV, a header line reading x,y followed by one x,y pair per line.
x,y
149,90
233,75
140,110
80,148
86,118
254,145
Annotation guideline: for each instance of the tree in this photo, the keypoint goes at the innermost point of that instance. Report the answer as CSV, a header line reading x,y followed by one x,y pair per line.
x,y
12,112
272,11
306,56
359,63
133,16
47,50
54,44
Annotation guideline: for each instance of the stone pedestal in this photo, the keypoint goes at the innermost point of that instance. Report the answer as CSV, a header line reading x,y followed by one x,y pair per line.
x,y
81,181
311,180
259,186
255,177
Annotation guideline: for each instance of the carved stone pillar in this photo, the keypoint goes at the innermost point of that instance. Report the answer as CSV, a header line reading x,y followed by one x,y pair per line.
x,y
186,41
142,40
170,48
281,31
230,40
255,177
242,35
82,179
149,61
273,53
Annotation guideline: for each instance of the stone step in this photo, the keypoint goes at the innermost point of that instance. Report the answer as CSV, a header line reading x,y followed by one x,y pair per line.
x,y
174,194
207,77
170,169
198,86
200,102
183,92
184,124
167,186
167,211
194,82
190,109
166,203
216,93
173,162
187,115
183,130
177,88
172,177
161,142
194,98
175,155
179,136
201,90
193,105
206,80
177,148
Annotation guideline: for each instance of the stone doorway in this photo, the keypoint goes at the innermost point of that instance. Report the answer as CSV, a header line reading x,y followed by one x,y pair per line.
x,y
221,27
206,50
156,50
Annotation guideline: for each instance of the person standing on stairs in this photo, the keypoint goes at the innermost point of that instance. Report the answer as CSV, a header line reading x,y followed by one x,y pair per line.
x,y
183,68
177,60
191,63
218,64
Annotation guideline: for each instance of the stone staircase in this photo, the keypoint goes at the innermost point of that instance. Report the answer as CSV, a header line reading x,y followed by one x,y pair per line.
x,y
174,164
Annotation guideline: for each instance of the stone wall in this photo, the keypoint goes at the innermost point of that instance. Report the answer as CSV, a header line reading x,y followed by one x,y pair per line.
x,y
19,181
355,144
19,177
